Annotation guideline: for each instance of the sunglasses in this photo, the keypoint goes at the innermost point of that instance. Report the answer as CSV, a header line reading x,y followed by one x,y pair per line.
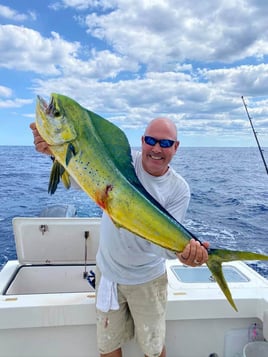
x,y
164,143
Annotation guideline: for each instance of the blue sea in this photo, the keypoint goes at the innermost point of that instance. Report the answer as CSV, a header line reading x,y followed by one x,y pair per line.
x,y
229,205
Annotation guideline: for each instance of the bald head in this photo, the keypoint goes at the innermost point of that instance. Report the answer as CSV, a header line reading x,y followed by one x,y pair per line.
x,y
164,125
156,156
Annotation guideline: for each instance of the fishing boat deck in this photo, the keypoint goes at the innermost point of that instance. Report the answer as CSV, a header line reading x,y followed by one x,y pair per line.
x,y
45,297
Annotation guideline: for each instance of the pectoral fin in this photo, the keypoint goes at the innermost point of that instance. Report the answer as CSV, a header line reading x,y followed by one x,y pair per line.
x,y
57,173
70,153
65,178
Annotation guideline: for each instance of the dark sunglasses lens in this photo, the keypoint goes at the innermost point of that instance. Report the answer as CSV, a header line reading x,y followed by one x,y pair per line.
x,y
165,143
150,141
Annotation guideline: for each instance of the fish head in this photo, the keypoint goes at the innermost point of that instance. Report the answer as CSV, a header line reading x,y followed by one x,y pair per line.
x,y
54,120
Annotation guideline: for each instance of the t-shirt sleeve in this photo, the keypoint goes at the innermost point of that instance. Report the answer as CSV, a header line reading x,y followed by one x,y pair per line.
x,y
177,206
179,199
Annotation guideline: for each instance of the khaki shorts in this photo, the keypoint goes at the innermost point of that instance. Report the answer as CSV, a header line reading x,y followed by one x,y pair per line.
x,y
141,314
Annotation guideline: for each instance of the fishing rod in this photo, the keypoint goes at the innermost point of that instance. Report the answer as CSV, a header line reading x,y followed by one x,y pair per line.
x,y
256,137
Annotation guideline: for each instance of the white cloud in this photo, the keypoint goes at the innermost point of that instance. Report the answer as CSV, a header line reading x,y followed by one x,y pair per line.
x,y
83,4
189,60
161,34
11,14
14,103
5,91
26,50
240,80
7,99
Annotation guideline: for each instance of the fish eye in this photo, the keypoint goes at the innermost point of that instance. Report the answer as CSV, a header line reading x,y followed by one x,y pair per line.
x,y
56,113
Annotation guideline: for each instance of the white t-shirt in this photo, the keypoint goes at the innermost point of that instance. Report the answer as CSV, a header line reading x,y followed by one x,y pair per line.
x,y
124,257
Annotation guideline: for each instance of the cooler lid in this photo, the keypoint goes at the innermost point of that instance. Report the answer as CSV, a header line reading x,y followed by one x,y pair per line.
x,y
47,240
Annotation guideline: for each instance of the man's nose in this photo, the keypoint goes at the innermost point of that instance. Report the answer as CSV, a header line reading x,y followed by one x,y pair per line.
x,y
157,147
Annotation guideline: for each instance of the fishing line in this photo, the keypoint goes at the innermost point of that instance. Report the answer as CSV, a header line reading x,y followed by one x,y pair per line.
x,y
255,135
86,235
91,275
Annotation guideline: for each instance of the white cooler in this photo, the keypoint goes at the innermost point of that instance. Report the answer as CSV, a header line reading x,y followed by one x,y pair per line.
x,y
256,349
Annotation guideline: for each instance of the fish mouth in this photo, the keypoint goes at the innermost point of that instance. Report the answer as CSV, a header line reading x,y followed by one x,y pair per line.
x,y
52,122
42,103
48,108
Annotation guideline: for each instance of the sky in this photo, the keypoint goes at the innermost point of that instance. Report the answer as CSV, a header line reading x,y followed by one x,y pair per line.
x,y
134,60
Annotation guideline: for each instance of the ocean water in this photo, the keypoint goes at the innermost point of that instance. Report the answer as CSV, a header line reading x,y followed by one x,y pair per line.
x,y
228,208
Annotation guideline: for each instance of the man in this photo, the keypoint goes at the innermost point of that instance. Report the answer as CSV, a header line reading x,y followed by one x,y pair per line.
x,y
131,275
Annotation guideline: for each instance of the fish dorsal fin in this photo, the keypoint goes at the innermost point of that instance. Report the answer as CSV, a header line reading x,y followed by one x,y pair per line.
x,y
118,148
115,143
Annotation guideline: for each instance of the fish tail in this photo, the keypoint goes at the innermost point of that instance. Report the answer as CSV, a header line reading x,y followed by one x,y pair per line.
x,y
219,256
214,264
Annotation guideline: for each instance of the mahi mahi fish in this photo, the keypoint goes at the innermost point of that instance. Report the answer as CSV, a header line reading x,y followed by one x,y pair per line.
x,y
97,155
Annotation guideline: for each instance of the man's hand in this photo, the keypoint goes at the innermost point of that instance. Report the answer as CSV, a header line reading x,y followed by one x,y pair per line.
x,y
194,254
40,144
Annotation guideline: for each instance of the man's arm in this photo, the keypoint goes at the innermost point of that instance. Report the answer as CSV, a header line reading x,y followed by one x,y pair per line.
x,y
194,253
40,144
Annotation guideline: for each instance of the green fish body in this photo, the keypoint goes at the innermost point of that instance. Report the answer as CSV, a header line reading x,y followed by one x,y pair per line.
x,y
97,155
